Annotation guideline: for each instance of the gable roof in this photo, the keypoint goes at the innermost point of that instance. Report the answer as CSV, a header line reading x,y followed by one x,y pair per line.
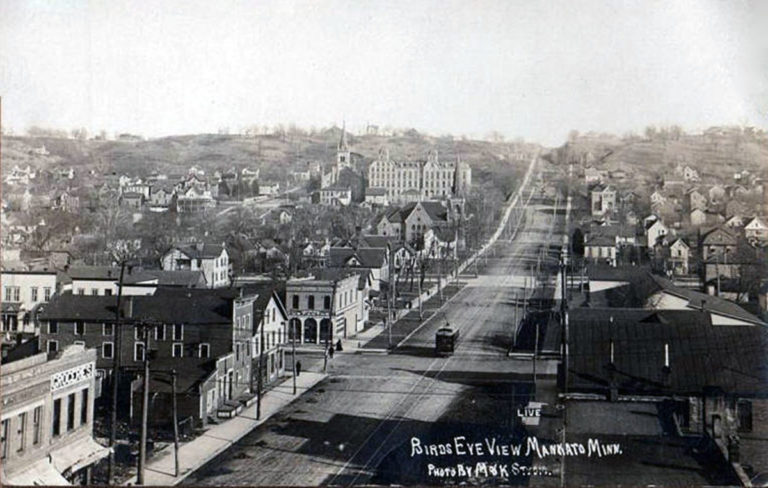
x,y
711,234
368,257
201,250
702,301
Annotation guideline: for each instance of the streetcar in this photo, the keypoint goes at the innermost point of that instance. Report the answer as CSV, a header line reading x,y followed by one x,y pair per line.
x,y
445,341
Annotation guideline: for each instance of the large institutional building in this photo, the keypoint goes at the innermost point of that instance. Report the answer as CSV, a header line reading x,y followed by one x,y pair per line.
x,y
416,180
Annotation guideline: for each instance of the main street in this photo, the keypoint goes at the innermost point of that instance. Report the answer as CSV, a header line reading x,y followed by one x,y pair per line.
x,y
357,426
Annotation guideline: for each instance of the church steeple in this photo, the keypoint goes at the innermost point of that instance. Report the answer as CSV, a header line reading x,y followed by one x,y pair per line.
x,y
343,156
343,146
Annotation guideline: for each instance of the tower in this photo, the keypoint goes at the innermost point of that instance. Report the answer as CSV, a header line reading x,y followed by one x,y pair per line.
x,y
462,177
343,155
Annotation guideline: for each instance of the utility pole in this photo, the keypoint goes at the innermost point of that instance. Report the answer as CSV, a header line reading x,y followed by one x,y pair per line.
x,y
175,425
293,353
115,375
564,315
535,352
440,277
421,276
144,407
260,378
330,329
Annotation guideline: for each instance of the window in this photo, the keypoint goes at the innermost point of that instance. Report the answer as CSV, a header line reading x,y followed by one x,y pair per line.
x,y
4,438
160,332
81,291
56,421
70,411
84,407
107,350
108,329
311,302
204,351
79,328
108,291
744,412
33,293
273,314
137,335
53,346
327,302
37,419
22,432
178,332
47,293
178,350
94,291
138,351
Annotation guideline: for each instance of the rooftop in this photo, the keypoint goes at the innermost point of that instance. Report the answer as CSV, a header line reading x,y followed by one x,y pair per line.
x,y
700,354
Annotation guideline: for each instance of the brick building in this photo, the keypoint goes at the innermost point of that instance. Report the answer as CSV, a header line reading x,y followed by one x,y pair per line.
x,y
47,418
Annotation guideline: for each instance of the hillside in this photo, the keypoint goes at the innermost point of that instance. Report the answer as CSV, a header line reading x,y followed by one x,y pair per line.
x,y
275,155
715,153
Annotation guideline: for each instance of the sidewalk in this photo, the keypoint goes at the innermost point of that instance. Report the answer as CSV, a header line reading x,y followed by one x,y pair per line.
x,y
217,439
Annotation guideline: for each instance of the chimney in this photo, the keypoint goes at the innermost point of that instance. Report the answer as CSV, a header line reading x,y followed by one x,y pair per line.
x,y
129,308
666,371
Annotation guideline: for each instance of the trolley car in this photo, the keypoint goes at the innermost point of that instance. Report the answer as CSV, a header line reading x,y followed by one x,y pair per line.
x,y
445,341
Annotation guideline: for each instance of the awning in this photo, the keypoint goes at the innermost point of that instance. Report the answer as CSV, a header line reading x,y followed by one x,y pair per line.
x,y
78,455
40,473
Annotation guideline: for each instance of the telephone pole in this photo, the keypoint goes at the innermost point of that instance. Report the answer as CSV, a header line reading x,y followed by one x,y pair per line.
x,y
293,354
175,425
260,378
145,326
115,374
330,329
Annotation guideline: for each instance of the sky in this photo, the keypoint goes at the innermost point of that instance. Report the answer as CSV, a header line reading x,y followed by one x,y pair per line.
x,y
525,68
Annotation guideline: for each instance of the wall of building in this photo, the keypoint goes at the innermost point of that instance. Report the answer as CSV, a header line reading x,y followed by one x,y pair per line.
x,y
36,383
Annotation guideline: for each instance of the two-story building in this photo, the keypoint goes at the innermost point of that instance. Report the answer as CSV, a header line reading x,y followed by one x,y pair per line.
x,y
679,257
325,306
23,291
603,200
270,332
600,248
211,259
655,232
335,195
47,418
375,259
756,230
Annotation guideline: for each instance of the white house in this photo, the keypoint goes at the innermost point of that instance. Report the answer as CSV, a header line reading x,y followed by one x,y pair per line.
x,y
211,259
658,198
679,256
23,291
269,189
756,230
690,174
333,195
376,196
657,230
